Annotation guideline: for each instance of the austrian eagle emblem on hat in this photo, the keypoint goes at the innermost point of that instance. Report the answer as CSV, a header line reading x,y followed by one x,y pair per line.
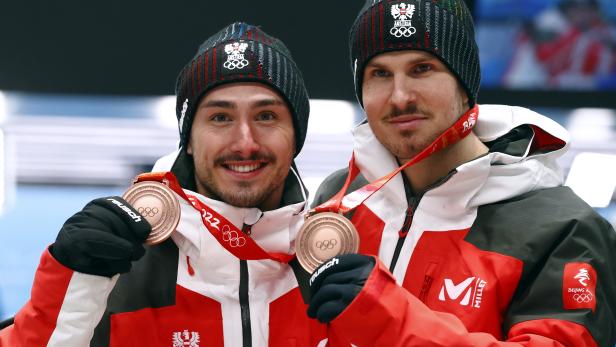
x,y
235,55
402,14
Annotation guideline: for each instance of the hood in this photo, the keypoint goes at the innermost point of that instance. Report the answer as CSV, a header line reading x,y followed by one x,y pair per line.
x,y
500,174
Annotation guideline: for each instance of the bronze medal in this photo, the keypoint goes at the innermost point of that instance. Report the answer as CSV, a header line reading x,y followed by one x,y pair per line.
x,y
158,204
323,236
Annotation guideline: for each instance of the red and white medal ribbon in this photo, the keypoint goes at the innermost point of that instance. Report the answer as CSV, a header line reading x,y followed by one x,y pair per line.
x,y
228,235
341,203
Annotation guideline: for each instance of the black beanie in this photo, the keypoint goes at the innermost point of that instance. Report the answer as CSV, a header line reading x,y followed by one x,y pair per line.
x,y
241,53
441,27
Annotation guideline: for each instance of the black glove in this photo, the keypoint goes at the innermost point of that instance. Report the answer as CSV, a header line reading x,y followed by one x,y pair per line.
x,y
336,283
103,238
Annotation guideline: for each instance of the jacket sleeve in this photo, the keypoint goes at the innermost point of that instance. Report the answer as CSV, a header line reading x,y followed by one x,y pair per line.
x,y
64,308
385,314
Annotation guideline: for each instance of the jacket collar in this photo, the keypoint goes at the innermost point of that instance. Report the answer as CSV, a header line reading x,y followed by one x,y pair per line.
x,y
274,230
493,177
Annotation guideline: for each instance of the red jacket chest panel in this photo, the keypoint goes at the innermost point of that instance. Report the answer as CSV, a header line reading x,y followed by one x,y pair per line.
x,y
289,324
451,275
194,316
197,316
370,229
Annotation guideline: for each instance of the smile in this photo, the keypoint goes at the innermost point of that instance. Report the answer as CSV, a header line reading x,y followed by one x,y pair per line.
x,y
244,168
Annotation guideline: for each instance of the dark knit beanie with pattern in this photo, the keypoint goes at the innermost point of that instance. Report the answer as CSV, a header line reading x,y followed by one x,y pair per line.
x,y
441,27
241,53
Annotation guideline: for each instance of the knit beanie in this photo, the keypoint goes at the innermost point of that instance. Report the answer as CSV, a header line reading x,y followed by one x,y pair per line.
x,y
241,53
441,27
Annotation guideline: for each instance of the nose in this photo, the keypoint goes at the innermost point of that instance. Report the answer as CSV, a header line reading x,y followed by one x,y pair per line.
x,y
403,93
245,142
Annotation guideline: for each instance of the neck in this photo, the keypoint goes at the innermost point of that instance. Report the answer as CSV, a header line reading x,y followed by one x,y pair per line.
x,y
425,173
271,203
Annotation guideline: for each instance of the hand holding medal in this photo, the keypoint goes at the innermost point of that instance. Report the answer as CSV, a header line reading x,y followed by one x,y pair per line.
x,y
327,233
323,236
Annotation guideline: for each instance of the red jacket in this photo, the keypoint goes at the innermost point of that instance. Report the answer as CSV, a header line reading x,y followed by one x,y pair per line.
x,y
496,253
187,291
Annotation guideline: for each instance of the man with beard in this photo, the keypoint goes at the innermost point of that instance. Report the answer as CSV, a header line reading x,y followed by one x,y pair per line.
x,y
223,278
478,242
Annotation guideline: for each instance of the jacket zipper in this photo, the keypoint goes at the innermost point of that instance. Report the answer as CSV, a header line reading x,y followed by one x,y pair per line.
x,y
244,304
413,202
406,226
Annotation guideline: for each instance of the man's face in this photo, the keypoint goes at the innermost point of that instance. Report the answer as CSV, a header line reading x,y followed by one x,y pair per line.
x,y
242,142
410,98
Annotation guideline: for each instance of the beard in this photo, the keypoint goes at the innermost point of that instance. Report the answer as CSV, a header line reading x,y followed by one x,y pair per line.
x,y
408,143
241,194
405,147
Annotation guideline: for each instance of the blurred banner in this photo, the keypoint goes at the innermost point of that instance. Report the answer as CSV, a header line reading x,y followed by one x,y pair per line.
x,y
566,45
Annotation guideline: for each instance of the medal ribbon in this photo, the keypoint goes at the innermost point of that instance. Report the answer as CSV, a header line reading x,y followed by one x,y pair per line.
x,y
228,235
340,203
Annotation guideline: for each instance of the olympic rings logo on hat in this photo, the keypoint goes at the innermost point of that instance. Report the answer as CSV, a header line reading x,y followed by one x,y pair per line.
x,y
326,244
235,64
582,297
148,211
231,237
402,31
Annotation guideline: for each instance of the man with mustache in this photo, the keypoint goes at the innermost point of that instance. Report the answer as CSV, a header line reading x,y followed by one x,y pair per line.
x,y
478,242
243,112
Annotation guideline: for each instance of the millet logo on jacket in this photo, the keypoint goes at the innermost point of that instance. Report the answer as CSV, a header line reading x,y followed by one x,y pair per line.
x,y
579,283
128,211
471,287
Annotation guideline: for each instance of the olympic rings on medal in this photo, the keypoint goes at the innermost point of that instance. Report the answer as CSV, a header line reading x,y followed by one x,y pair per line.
x,y
148,211
326,244
231,237
402,31
582,297
235,64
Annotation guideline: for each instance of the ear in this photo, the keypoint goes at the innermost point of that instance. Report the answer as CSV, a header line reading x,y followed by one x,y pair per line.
x,y
189,148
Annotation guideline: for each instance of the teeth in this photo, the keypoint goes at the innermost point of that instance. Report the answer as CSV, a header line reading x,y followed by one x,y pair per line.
x,y
244,168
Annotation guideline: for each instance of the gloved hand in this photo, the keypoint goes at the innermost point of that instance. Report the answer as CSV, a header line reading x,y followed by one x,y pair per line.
x,y
103,238
336,283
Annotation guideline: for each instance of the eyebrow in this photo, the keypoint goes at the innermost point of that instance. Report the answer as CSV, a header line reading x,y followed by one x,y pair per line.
x,y
219,103
232,105
268,102
416,60
375,65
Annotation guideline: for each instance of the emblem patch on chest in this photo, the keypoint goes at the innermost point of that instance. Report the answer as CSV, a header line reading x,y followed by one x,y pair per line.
x,y
186,339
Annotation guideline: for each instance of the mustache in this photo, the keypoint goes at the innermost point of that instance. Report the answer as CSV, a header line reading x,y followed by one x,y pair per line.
x,y
237,157
410,109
